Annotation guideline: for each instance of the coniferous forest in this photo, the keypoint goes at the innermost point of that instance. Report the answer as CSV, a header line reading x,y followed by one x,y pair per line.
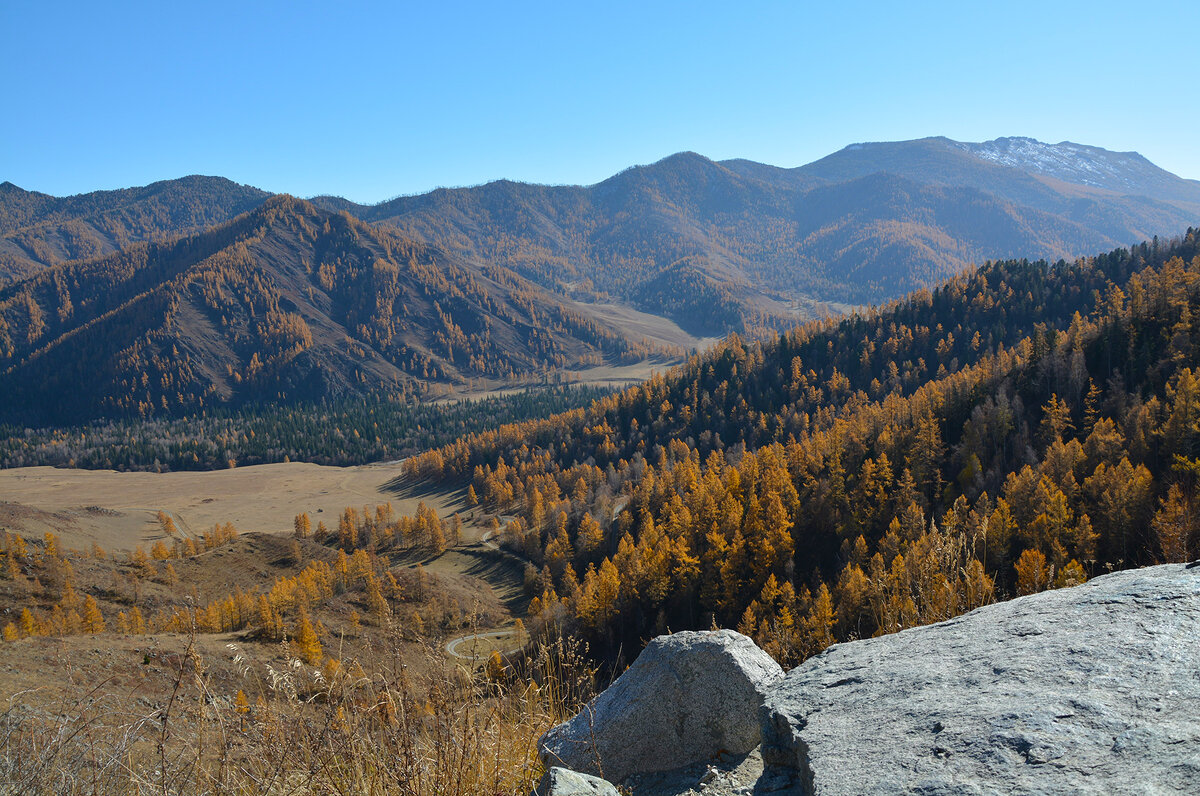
x,y
1024,426
372,429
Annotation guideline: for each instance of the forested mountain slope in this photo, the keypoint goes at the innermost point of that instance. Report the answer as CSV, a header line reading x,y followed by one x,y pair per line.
x,y
1019,427
287,303
37,230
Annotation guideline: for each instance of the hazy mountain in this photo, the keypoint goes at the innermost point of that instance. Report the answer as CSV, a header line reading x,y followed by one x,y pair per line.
x,y
1119,196
714,246
37,230
868,223
1122,172
286,303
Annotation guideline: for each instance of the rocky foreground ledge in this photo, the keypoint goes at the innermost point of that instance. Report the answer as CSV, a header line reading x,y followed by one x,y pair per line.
x,y
1092,689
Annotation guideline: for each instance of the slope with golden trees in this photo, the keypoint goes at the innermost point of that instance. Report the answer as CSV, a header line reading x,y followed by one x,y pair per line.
x,y
272,588
1020,427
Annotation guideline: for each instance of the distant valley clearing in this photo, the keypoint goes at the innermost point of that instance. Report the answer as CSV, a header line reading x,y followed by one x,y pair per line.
x,y
654,328
118,510
612,376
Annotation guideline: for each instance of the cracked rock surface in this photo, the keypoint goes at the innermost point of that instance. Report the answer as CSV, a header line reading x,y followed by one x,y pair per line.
x,y
1092,689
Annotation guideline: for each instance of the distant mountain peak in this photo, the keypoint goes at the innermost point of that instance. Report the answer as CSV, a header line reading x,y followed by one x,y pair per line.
x,y
684,155
283,200
944,160
1067,161
860,145
684,159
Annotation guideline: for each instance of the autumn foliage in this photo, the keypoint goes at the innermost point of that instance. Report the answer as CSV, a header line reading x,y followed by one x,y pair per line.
x,y
1019,428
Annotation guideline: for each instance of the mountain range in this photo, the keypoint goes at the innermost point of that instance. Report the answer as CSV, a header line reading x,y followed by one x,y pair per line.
x,y
715,246
866,224
186,292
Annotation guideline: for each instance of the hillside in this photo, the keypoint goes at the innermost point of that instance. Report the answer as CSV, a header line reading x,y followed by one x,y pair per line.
x,y
1022,426
287,303
866,224
219,659
37,230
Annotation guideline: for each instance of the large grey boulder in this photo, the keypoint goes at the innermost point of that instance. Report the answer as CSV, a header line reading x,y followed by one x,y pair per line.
x,y
563,782
687,698
1092,689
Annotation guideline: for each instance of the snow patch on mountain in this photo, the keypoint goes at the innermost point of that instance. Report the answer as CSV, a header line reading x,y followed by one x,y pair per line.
x,y
1084,165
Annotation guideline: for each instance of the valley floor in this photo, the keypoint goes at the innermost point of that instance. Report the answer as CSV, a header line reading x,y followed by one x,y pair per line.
x,y
118,510
614,376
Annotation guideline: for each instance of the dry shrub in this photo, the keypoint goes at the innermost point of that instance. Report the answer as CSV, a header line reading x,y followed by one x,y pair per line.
x,y
367,726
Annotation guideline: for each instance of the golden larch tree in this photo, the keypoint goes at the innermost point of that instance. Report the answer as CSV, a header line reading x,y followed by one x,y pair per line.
x,y
307,645
93,621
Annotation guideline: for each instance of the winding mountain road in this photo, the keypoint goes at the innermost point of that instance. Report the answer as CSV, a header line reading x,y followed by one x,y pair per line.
x,y
480,645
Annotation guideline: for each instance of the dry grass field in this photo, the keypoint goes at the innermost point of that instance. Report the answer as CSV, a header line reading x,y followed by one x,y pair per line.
x,y
612,376
403,698
637,324
118,510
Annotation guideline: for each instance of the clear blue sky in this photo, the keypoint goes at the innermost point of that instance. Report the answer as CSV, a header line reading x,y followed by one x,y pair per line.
x,y
370,100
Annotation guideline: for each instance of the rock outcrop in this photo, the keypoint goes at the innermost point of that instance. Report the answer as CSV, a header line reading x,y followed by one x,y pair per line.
x,y
687,698
564,782
1092,689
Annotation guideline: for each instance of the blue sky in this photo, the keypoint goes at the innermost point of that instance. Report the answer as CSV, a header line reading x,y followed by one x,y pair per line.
x,y
371,100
